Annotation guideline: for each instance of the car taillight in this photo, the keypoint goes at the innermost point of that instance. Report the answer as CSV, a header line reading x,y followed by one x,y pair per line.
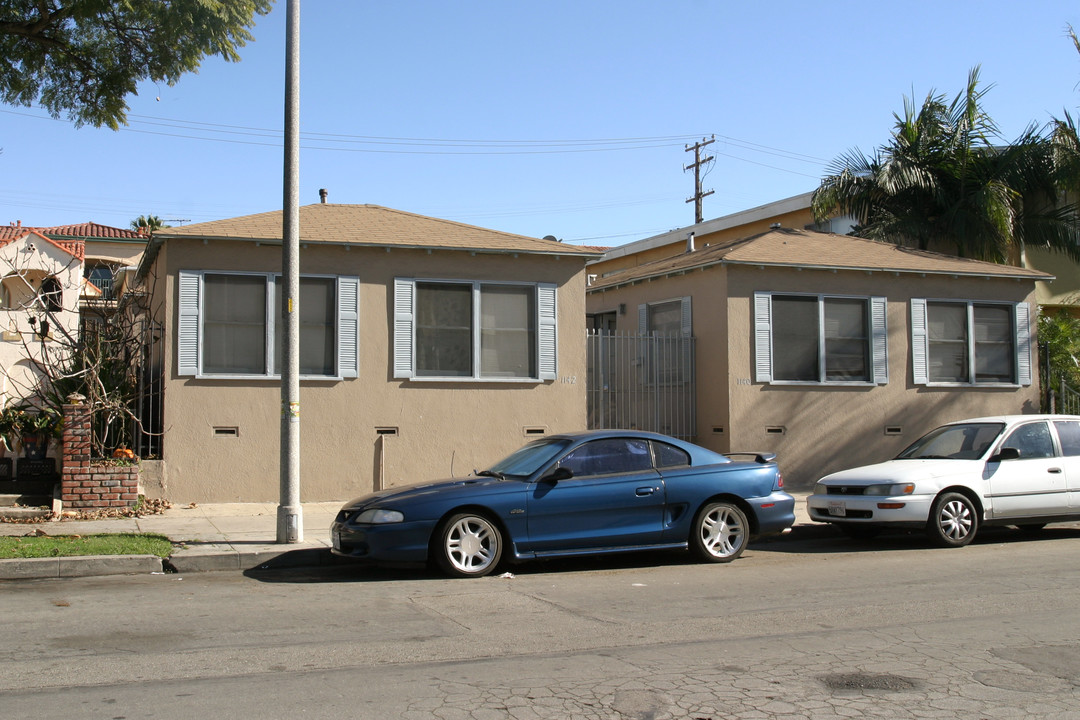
x,y
779,480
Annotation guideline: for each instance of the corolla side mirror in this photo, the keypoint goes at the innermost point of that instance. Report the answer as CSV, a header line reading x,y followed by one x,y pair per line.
x,y
1006,453
560,473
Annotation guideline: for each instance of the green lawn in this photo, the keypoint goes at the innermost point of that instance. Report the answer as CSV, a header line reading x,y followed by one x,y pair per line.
x,y
43,546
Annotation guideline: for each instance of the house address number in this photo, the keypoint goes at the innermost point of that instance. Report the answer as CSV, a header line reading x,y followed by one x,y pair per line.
x,y
568,379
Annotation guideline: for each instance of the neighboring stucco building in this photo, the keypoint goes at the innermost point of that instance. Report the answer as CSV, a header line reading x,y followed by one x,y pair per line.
x,y
429,348
829,350
40,280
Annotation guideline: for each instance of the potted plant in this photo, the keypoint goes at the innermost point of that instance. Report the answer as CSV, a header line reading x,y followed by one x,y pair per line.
x,y
11,428
37,430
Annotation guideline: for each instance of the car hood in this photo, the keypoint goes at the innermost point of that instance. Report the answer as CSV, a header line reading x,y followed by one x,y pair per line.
x,y
432,490
904,471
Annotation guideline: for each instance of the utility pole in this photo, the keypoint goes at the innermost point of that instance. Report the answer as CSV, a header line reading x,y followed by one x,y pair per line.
x,y
290,518
697,164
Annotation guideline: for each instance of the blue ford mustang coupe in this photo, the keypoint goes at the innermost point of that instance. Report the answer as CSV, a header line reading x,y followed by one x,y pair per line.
x,y
602,491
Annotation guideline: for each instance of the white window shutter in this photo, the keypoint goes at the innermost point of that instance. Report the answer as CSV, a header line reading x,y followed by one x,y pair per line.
x,y
404,361
879,339
920,340
642,319
189,285
348,335
763,337
1023,344
547,335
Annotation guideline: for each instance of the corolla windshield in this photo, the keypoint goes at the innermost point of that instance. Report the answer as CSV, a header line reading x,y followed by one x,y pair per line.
x,y
965,441
529,459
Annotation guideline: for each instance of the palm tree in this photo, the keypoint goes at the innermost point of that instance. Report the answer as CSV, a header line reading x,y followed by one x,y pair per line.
x,y
945,181
148,223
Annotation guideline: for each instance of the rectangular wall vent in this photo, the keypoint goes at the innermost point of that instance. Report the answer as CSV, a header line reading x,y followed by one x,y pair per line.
x,y
226,432
775,430
894,430
535,430
386,431
718,430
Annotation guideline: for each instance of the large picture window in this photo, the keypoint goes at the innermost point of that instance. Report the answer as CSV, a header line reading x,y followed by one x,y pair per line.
x,y
820,339
230,325
479,330
970,343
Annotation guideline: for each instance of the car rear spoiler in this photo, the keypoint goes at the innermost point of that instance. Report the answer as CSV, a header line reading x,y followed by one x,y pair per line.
x,y
761,457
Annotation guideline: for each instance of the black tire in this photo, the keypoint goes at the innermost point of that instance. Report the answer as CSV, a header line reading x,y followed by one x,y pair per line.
x,y
859,532
720,532
953,521
468,545
1031,528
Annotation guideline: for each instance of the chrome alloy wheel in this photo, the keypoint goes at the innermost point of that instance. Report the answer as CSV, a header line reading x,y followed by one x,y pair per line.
x,y
720,532
471,545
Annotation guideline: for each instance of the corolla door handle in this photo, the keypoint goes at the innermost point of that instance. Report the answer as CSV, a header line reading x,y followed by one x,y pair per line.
x,y
645,491
1054,470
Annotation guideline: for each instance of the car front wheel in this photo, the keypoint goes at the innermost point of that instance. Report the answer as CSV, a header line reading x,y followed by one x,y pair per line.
x,y
720,532
953,521
469,546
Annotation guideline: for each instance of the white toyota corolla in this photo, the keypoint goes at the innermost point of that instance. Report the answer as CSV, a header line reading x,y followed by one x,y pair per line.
x,y
1021,470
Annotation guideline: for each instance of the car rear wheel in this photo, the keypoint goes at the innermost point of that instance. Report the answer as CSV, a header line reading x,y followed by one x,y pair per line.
x,y
469,546
720,532
953,521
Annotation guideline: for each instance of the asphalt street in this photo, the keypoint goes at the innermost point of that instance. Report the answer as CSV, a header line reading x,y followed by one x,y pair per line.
x,y
821,627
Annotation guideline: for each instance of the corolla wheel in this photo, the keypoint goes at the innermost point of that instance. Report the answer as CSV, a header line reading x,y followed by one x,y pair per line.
x,y
720,532
953,521
469,546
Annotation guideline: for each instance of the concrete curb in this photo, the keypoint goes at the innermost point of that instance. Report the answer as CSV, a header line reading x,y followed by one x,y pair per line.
x,y
79,566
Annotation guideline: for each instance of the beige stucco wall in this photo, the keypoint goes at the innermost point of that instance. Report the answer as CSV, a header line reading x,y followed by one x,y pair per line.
x,y
125,252
443,428
828,428
825,428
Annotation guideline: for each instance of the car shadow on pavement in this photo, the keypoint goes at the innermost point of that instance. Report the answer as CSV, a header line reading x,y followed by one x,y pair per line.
x,y
823,539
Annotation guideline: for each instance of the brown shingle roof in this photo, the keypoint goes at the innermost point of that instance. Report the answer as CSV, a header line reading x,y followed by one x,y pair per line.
x,y
371,225
784,247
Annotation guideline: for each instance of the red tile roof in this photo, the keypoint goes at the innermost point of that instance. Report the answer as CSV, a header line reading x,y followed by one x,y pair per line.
x,y
81,230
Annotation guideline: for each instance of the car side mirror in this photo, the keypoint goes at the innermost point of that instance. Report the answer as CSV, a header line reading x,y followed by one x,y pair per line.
x,y
1006,453
559,473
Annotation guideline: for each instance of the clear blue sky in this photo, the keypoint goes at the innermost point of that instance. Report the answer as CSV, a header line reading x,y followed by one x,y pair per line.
x,y
563,117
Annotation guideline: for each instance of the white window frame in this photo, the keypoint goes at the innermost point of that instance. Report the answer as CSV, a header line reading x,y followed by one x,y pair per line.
x,y
404,341
190,316
920,343
877,340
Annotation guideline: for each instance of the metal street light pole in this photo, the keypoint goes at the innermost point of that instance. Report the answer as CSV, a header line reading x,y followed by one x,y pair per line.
x,y
290,518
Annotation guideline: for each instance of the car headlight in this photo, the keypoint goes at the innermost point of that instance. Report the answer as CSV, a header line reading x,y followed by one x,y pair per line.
x,y
821,488
379,516
890,489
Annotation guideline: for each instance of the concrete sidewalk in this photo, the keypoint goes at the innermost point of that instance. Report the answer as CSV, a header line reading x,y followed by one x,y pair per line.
x,y
216,536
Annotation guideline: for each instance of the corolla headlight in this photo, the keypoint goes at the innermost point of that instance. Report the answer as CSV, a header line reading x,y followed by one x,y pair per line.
x,y
379,516
890,489
821,488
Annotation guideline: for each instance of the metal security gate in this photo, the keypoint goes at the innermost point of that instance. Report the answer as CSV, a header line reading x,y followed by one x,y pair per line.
x,y
1068,400
642,382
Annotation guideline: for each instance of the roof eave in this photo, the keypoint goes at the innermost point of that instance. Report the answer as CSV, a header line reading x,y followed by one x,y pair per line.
x,y
675,272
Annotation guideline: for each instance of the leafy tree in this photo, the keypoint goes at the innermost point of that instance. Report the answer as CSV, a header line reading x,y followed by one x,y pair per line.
x,y
84,57
1059,333
946,180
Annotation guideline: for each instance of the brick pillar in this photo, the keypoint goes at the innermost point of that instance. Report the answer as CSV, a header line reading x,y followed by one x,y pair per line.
x,y
75,452
83,484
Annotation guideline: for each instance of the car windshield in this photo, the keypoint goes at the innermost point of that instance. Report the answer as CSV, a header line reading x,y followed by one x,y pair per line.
x,y
966,441
530,458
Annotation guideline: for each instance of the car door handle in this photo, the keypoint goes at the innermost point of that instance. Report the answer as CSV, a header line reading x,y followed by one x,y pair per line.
x,y
645,491
1056,471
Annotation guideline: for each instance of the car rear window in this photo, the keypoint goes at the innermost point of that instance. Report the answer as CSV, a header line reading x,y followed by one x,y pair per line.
x,y
1069,434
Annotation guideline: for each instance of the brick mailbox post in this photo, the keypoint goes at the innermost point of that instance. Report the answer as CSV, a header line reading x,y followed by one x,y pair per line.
x,y
85,484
